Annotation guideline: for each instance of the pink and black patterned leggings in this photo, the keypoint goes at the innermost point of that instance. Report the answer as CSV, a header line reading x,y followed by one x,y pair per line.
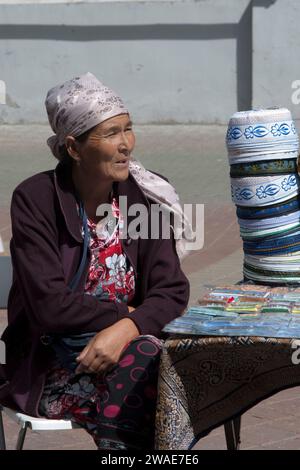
x,y
117,408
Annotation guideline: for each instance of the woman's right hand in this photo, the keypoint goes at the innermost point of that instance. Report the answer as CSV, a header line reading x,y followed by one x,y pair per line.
x,y
104,350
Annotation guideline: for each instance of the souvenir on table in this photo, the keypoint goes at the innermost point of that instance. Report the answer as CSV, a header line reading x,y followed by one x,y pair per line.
x,y
270,312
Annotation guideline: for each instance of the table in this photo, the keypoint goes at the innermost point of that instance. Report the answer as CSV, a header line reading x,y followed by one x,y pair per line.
x,y
207,381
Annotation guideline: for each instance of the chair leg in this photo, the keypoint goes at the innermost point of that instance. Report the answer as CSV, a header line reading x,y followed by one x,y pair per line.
x,y
21,437
2,435
232,433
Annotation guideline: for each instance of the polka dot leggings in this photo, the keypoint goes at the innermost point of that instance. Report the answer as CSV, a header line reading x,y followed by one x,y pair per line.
x,y
117,408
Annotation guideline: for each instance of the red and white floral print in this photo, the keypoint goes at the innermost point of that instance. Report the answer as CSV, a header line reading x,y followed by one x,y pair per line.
x,y
110,274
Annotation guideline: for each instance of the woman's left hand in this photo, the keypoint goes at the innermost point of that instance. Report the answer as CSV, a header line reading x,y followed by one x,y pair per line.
x,y
104,350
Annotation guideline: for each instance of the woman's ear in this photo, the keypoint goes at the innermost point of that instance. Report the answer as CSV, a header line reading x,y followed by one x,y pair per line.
x,y
72,148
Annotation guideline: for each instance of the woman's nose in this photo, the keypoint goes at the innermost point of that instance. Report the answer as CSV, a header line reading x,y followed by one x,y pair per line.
x,y
124,139
125,142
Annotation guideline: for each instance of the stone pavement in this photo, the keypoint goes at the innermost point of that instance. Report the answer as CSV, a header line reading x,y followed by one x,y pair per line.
x,y
270,425
194,159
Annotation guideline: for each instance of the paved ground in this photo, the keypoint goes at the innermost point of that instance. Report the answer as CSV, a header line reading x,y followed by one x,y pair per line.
x,y
271,425
194,159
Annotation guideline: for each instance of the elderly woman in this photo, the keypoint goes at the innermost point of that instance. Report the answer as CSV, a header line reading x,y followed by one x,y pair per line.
x,y
88,304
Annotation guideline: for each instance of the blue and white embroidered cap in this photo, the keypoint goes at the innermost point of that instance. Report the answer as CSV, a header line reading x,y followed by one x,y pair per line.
x,y
260,133
260,225
286,262
278,269
264,190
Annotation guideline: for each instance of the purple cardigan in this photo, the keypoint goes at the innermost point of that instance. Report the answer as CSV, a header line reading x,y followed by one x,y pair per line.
x,y
46,251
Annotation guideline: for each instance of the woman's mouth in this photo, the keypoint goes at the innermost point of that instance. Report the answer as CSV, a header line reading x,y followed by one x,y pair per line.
x,y
123,163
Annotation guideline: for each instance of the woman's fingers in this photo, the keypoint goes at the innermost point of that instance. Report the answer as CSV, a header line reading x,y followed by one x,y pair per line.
x,y
107,346
85,350
79,369
93,360
82,355
85,358
96,366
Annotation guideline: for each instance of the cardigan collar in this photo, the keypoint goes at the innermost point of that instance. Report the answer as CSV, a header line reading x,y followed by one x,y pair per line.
x,y
66,193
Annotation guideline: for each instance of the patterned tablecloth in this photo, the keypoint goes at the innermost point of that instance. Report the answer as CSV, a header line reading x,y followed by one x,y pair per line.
x,y
205,381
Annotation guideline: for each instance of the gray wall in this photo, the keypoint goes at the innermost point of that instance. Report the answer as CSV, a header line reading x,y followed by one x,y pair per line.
x,y
171,61
276,53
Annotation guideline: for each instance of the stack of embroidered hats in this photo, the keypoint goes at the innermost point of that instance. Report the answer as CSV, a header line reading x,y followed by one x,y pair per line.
x,y
262,150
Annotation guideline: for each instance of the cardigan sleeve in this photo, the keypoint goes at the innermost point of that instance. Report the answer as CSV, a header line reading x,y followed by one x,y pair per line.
x,y
167,289
51,306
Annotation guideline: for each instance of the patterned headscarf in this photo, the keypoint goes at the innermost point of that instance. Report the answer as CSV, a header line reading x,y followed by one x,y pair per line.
x,y
79,104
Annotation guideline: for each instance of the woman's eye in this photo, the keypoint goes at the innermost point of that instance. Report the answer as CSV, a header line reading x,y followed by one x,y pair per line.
x,y
112,133
116,132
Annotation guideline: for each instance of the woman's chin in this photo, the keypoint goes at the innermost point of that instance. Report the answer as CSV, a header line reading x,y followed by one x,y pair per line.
x,y
121,175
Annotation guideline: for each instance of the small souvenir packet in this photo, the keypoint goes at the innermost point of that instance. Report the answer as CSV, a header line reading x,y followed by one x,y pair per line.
x,y
242,290
296,308
238,293
237,298
216,307
252,299
282,307
209,310
222,296
285,297
243,307
208,301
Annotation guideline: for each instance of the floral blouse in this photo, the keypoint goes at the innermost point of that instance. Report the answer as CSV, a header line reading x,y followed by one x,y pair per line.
x,y
111,275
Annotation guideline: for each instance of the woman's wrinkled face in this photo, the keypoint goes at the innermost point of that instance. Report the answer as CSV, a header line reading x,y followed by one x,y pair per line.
x,y
105,154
